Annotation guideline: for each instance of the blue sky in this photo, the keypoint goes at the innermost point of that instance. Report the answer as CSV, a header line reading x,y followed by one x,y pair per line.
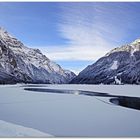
x,y
72,34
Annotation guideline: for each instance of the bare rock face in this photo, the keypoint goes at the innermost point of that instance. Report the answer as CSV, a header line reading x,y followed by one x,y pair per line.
x,y
119,66
19,63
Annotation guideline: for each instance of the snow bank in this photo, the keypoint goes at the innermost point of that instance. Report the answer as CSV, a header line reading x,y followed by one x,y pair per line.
x,y
12,130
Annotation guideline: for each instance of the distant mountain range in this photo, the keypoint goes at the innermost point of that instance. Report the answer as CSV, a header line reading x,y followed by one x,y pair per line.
x,y
119,66
19,63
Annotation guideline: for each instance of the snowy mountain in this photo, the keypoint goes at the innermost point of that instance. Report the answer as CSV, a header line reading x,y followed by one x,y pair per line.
x,y
119,66
19,63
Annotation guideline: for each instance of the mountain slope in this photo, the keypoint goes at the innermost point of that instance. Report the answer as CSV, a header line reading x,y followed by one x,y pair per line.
x,y
19,63
119,66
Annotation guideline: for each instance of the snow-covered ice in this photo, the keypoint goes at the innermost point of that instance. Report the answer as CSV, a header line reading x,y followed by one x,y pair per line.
x,y
70,114
12,130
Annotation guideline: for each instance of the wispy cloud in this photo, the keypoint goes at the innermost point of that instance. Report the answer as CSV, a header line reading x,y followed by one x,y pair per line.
x,y
91,28
73,52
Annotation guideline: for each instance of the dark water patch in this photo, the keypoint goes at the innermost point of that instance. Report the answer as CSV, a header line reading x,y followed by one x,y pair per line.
x,y
63,91
129,102
49,90
124,101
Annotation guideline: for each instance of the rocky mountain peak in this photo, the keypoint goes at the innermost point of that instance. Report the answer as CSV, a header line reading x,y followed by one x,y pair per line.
x,y
120,66
8,39
131,48
136,42
27,65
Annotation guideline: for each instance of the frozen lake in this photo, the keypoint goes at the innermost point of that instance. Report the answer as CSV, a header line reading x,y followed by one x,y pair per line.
x,y
73,110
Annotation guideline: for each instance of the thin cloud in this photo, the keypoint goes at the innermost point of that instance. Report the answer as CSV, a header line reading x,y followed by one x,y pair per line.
x,y
91,28
73,53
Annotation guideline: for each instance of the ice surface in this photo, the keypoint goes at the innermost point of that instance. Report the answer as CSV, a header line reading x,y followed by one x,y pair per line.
x,y
12,130
71,114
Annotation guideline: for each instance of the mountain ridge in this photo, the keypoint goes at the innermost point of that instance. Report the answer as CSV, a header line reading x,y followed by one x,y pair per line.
x,y
19,63
119,66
